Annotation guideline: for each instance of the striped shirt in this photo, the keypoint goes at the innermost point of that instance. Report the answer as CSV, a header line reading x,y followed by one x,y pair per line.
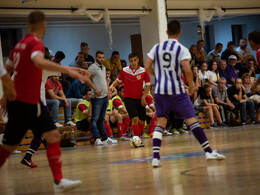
x,y
167,57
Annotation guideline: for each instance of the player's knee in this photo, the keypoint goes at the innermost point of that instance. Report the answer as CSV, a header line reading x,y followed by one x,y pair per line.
x,y
52,136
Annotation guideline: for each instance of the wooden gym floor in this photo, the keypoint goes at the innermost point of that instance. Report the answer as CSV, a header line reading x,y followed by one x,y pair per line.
x,y
120,169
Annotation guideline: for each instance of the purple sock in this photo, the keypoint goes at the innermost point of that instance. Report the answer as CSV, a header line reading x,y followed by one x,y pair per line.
x,y
35,144
157,141
200,136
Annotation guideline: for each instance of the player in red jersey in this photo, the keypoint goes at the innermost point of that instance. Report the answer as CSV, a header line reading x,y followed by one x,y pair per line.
x,y
26,111
133,78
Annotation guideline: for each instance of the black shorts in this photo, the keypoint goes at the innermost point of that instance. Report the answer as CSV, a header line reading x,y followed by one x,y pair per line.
x,y
83,125
24,116
134,108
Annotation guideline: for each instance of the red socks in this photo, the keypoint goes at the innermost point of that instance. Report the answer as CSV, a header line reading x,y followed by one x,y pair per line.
x,y
141,128
126,124
54,158
108,129
120,129
4,154
135,129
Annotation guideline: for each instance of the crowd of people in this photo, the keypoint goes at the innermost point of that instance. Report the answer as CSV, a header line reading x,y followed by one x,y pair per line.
x,y
106,93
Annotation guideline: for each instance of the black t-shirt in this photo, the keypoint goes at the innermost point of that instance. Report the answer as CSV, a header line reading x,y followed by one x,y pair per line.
x,y
245,70
203,95
225,54
90,60
233,91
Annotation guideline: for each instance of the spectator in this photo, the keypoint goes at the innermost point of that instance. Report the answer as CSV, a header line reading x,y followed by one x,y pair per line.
x,y
88,58
80,61
55,99
239,98
213,73
114,64
254,41
196,79
230,50
214,54
193,51
205,103
108,75
247,83
231,70
223,71
76,92
203,74
83,112
99,99
220,96
123,63
250,68
245,52
200,54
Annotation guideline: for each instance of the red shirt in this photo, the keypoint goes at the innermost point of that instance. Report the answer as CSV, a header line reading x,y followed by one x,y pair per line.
x,y
133,81
258,57
27,77
55,87
149,100
117,103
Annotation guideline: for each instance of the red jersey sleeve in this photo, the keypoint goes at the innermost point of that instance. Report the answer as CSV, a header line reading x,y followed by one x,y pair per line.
x,y
82,107
37,48
147,79
117,103
258,57
149,100
48,85
120,78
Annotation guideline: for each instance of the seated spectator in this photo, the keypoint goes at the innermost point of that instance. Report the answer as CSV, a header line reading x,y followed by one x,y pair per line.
x,y
196,79
83,112
108,79
55,99
88,58
239,98
220,96
119,105
230,50
250,68
193,51
200,54
80,62
214,54
247,83
76,92
245,52
203,74
114,64
123,63
231,70
223,71
205,103
255,90
213,73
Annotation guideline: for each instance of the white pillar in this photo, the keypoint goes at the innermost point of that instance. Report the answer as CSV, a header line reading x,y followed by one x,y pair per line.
x,y
153,26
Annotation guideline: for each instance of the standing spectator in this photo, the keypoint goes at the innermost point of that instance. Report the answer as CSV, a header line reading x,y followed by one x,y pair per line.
x,y
213,73
245,52
79,63
230,50
203,74
220,96
214,54
133,78
55,99
99,99
200,54
254,42
231,70
88,58
114,64
239,98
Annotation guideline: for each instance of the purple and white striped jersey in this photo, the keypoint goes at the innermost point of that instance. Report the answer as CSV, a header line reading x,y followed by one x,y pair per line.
x,y
167,57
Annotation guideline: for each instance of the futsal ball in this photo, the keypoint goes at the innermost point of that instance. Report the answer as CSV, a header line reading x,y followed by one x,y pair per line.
x,y
135,141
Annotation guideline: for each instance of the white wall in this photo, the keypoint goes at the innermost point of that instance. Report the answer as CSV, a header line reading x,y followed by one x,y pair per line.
x,y
68,39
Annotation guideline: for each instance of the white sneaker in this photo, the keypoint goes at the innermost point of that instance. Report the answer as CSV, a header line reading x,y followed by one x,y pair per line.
x,y
110,141
17,152
166,133
58,125
66,184
156,162
98,142
214,156
70,123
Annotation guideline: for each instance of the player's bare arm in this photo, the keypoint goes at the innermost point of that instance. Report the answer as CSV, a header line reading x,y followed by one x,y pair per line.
x,y
148,66
146,91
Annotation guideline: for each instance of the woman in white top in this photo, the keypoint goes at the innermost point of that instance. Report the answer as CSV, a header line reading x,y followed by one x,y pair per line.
x,y
213,73
203,74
